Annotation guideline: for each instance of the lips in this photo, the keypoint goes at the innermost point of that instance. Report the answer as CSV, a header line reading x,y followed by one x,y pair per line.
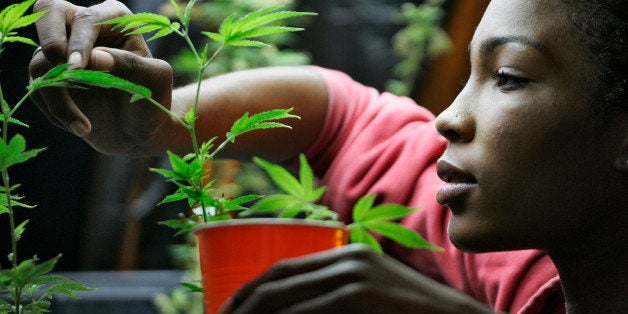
x,y
458,183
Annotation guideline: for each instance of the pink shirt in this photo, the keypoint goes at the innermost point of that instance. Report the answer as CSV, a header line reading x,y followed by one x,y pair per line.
x,y
388,145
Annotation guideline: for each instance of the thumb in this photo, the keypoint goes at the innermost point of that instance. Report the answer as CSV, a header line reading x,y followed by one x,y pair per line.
x,y
152,73
101,60
131,66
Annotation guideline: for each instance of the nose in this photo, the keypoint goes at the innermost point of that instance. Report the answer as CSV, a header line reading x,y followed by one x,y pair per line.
x,y
456,123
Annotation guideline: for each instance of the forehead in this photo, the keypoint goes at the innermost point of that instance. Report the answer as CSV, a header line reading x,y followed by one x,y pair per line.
x,y
540,21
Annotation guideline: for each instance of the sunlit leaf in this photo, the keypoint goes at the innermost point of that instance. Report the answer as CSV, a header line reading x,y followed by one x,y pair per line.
x,y
362,206
281,177
387,212
399,234
20,39
360,235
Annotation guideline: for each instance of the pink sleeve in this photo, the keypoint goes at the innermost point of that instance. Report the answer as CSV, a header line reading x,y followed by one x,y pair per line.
x,y
380,143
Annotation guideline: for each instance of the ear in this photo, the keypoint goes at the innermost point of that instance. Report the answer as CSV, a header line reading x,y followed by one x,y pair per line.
x,y
621,162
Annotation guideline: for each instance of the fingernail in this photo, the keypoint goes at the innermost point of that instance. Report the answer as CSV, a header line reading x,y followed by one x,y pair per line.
x,y
101,60
75,59
78,128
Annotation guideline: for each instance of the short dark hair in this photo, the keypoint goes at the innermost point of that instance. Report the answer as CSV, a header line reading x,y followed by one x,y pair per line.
x,y
601,25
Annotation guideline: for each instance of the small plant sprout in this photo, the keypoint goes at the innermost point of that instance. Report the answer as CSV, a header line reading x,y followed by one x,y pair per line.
x,y
300,197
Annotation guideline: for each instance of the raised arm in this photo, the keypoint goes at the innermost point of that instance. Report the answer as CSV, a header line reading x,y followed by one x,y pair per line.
x,y
111,124
225,98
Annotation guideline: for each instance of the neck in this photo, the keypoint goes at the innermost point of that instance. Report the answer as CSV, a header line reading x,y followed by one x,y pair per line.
x,y
594,271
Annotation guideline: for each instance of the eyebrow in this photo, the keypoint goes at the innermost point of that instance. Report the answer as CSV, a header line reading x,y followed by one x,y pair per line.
x,y
487,46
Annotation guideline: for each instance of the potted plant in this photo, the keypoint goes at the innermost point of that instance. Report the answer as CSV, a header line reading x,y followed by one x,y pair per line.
x,y
192,178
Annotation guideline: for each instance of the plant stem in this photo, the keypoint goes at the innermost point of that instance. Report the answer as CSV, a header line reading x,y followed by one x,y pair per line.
x,y
19,103
7,192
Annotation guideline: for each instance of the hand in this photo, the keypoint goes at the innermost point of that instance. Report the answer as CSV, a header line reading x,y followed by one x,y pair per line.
x,y
103,117
352,279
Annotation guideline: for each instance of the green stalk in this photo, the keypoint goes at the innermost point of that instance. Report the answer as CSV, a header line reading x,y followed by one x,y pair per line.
x,y
7,188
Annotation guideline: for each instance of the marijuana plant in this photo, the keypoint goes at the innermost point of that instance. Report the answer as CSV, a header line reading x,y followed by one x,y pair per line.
x,y
27,286
192,180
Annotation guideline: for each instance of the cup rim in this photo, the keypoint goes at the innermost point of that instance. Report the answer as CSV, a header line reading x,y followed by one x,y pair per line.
x,y
270,221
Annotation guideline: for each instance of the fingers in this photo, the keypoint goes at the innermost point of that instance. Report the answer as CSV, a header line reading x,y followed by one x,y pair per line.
x,y
312,272
67,33
86,31
154,74
51,28
56,103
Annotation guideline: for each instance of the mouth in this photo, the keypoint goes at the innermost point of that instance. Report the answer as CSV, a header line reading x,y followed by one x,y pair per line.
x,y
458,183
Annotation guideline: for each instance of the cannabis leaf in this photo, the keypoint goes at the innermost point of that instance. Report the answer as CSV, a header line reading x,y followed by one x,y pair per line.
x,y
262,120
379,219
240,31
12,17
142,23
15,152
299,197
62,76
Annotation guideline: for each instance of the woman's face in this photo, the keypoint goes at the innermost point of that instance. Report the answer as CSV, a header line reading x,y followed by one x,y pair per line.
x,y
528,164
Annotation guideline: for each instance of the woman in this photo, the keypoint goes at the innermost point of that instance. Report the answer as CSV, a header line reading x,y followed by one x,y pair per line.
x,y
536,159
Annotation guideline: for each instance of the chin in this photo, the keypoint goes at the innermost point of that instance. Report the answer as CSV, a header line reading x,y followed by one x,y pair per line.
x,y
478,238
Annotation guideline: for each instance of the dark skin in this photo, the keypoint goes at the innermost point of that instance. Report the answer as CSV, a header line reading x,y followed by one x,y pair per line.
x,y
514,132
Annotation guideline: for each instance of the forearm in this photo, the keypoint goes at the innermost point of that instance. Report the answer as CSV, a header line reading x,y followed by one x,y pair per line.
x,y
223,99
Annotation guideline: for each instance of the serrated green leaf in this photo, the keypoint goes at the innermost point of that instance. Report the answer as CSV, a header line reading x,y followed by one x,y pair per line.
x,y
177,9
236,202
20,228
271,203
399,234
62,76
56,71
14,152
360,235
165,31
14,121
317,194
68,288
387,212
127,22
281,177
20,39
291,211
192,287
264,31
215,36
362,206
105,80
175,197
47,279
27,20
267,15
306,175
178,165
247,43
260,120
182,225
3,209
187,15
12,13
38,306
167,173
146,29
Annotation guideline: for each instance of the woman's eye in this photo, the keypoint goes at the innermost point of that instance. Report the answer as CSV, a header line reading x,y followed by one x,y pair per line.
x,y
508,82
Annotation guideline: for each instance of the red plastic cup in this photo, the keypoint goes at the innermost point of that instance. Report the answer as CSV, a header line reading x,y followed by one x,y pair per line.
x,y
234,252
